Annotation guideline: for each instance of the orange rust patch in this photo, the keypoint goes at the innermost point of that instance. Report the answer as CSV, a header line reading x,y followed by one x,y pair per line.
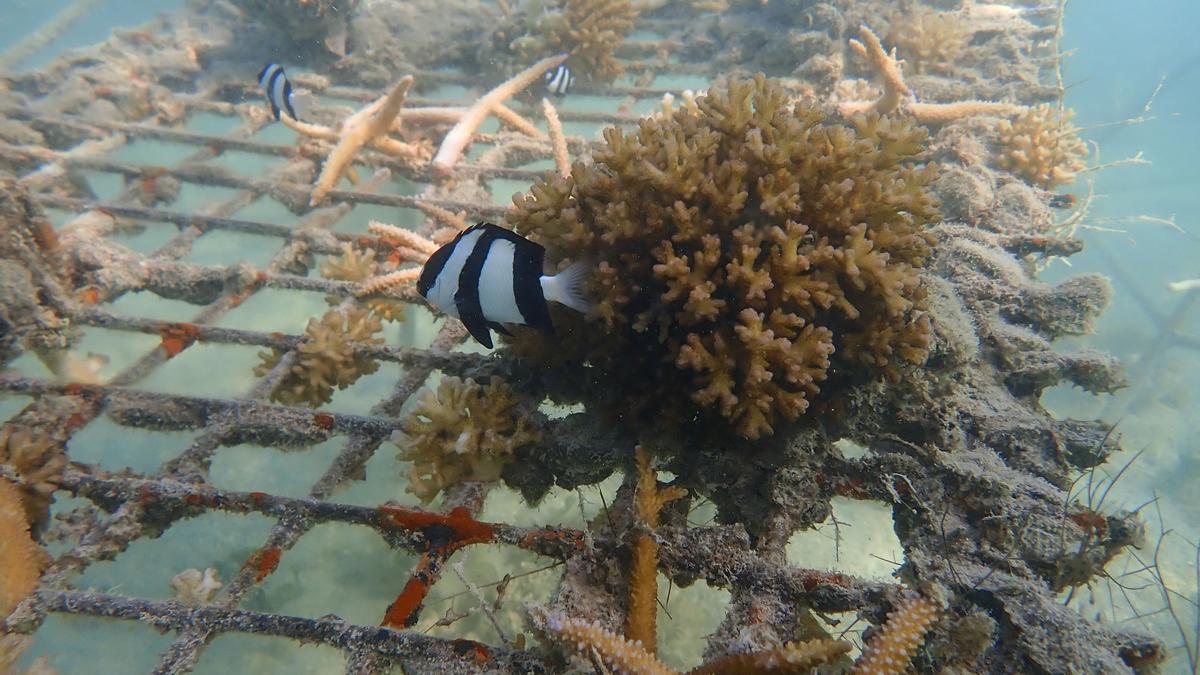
x,y
813,578
572,538
1091,522
90,295
466,529
263,562
177,337
402,613
258,498
323,421
478,651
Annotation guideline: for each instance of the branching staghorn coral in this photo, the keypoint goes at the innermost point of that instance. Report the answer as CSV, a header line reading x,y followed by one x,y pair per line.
x,y
463,431
898,97
38,461
1042,147
367,127
736,247
590,30
325,360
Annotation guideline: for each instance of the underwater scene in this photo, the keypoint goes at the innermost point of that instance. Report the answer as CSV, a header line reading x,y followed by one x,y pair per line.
x,y
599,336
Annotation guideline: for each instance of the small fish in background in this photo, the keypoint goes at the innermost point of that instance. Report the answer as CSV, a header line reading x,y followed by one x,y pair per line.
x,y
280,95
489,276
559,80
1062,200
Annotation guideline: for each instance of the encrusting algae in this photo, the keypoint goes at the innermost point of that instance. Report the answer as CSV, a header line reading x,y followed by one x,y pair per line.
x,y
463,431
325,359
739,247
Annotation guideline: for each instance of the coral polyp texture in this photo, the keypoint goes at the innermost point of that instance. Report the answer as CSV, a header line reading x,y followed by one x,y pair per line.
x,y
326,359
1042,146
590,30
359,265
928,40
740,249
38,461
19,556
463,431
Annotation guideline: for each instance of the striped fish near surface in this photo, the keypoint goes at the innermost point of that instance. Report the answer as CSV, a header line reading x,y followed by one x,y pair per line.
x,y
489,276
559,80
278,89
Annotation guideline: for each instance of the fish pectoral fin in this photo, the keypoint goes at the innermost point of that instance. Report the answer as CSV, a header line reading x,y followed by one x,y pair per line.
x,y
499,328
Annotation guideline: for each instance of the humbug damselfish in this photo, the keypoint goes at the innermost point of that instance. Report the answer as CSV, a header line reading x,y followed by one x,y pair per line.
x,y
489,276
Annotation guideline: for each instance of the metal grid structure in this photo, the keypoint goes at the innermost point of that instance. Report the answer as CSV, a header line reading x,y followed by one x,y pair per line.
x,y
134,506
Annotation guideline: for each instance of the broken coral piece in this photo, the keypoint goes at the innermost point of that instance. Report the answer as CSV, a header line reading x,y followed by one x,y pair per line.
x,y
367,127
736,246
1042,146
456,140
20,557
462,431
193,587
897,97
326,358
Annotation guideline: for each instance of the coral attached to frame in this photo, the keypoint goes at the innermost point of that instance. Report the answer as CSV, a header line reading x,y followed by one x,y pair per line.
x,y
737,246
326,358
37,459
462,431
1042,146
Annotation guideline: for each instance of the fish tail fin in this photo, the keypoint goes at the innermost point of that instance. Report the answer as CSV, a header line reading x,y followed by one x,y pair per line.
x,y
303,102
567,287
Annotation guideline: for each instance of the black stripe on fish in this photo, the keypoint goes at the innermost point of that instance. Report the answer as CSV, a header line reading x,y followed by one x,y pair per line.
x,y
559,80
489,276
272,78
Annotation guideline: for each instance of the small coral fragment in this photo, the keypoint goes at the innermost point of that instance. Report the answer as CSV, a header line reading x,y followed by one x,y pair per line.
x,y
1042,147
325,359
38,461
19,556
617,653
462,431
889,652
737,244
793,657
359,265
193,587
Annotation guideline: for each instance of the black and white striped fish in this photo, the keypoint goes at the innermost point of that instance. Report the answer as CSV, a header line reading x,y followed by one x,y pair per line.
x,y
489,276
278,90
559,80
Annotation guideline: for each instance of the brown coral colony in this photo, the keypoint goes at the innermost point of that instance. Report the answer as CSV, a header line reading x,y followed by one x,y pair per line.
x,y
743,249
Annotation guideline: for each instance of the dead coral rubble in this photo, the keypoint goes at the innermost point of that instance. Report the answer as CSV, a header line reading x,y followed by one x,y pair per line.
x,y
739,248
463,431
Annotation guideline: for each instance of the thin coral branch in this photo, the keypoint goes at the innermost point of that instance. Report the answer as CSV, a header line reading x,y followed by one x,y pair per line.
x,y
388,281
455,142
890,651
640,623
898,97
562,160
